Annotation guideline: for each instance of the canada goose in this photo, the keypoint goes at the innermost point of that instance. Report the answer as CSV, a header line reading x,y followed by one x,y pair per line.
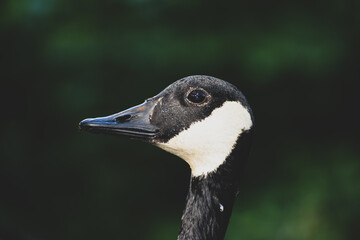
x,y
208,123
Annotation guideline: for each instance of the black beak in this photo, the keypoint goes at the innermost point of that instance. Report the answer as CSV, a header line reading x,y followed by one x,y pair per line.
x,y
133,122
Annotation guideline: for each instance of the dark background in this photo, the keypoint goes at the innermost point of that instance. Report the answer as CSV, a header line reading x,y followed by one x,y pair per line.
x,y
63,60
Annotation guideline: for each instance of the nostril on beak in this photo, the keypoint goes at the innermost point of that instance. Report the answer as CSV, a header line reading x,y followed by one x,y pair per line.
x,y
123,118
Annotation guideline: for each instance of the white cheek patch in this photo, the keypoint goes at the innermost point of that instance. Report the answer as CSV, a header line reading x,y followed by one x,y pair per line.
x,y
206,144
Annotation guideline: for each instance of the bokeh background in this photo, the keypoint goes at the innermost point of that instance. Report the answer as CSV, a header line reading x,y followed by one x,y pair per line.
x,y
62,61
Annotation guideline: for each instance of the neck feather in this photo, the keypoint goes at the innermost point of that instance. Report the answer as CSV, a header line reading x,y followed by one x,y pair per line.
x,y
208,209
211,198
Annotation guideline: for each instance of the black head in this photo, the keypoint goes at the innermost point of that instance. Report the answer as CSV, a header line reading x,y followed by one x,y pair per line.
x,y
198,118
189,100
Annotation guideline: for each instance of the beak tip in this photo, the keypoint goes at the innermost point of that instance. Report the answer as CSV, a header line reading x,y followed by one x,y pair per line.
x,y
84,124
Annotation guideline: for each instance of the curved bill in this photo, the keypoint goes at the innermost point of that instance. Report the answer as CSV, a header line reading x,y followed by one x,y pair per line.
x,y
133,122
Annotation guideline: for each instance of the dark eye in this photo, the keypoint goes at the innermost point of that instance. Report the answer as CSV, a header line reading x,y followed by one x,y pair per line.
x,y
197,96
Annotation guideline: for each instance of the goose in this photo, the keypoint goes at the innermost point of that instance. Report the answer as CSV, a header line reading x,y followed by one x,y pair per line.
x,y
208,123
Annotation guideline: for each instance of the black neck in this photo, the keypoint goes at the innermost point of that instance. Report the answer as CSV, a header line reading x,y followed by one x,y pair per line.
x,y
211,198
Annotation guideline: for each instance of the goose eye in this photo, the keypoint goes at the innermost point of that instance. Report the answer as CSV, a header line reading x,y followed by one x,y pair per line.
x,y
197,96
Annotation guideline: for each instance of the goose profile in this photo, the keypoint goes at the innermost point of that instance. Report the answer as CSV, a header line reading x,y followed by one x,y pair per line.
x,y
208,123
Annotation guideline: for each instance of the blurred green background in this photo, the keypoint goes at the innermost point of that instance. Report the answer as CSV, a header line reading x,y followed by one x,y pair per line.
x,y
297,62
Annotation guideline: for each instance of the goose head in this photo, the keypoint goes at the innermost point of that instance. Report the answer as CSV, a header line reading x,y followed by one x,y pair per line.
x,y
198,118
